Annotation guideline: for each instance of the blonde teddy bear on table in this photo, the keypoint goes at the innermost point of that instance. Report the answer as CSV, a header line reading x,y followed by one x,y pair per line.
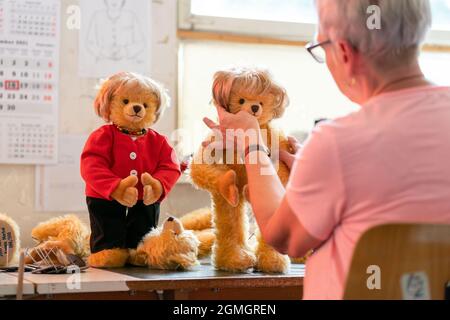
x,y
129,168
254,91
167,247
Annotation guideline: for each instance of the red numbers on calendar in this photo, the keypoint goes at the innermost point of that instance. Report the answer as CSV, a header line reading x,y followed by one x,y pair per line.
x,y
12,85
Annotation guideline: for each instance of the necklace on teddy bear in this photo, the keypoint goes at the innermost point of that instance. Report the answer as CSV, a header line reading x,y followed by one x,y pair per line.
x,y
136,133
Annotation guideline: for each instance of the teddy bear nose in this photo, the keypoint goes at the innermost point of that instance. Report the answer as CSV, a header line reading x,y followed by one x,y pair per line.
x,y
170,219
137,109
255,108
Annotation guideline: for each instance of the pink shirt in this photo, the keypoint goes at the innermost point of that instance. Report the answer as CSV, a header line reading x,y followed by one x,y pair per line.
x,y
387,163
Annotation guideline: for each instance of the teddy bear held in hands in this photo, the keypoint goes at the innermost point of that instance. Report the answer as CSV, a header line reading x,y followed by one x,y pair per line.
x,y
254,91
128,168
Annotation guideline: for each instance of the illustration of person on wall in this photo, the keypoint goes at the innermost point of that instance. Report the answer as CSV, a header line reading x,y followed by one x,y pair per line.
x,y
114,33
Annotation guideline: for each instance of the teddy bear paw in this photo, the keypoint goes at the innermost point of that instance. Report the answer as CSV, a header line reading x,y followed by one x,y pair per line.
x,y
272,262
112,258
238,259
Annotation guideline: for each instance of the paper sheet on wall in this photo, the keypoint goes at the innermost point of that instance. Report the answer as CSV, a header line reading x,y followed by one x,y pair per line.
x,y
60,188
115,36
29,74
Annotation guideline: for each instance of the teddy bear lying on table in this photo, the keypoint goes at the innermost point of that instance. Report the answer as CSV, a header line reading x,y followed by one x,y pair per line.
x,y
128,168
252,90
167,247
67,233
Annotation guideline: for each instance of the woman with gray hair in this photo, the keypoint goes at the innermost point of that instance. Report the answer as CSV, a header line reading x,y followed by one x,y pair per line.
x,y
386,163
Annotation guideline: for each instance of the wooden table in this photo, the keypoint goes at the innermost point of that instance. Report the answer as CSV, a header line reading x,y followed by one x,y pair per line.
x,y
203,282
206,283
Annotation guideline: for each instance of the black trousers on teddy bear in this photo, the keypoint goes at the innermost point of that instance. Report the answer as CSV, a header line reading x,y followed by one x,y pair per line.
x,y
114,226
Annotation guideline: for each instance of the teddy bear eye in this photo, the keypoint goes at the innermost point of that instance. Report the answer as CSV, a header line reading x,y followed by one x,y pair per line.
x,y
145,106
261,104
126,101
242,101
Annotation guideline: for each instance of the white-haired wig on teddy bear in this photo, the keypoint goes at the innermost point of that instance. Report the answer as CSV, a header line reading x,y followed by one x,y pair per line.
x,y
128,167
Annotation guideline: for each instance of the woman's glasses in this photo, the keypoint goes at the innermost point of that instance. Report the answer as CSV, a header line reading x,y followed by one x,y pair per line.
x,y
317,51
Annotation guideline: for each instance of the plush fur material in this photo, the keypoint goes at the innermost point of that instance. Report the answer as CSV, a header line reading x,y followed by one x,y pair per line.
x,y
200,219
206,238
67,233
241,89
201,223
9,241
169,247
113,258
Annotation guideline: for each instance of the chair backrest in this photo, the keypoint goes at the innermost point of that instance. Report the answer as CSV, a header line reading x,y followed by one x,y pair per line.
x,y
400,261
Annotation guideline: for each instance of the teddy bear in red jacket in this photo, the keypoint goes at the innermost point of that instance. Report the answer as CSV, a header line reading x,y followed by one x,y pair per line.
x,y
128,168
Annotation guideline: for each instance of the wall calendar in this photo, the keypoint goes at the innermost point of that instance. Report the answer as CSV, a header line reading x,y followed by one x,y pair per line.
x,y
29,74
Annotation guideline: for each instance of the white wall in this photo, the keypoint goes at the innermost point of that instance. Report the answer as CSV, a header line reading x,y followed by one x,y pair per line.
x,y
77,116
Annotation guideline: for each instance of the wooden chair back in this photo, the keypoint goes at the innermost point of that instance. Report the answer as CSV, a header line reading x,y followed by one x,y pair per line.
x,y
400,262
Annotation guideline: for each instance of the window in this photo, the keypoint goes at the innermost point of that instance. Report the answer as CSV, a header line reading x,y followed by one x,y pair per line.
x,y
312,91
441,14
269,10
299,11
287,19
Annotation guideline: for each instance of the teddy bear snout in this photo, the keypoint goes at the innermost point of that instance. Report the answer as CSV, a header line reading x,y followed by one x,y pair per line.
x,y
255,108
173,225
137,108
134,112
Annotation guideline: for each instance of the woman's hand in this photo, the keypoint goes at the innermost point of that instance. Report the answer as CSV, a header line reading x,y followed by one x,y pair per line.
x,y
287,157
233,130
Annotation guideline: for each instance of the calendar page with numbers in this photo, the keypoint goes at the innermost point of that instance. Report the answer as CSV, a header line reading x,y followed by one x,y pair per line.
x,y
29,78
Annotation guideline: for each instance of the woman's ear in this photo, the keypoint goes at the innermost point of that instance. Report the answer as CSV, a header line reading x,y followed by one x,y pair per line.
x,y
348,57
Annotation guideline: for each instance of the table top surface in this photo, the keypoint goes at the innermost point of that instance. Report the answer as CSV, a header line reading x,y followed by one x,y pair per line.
x,y
134,278
9,282
205,276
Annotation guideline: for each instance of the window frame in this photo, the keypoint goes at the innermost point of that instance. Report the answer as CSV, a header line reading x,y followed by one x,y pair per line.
x,y
269,29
